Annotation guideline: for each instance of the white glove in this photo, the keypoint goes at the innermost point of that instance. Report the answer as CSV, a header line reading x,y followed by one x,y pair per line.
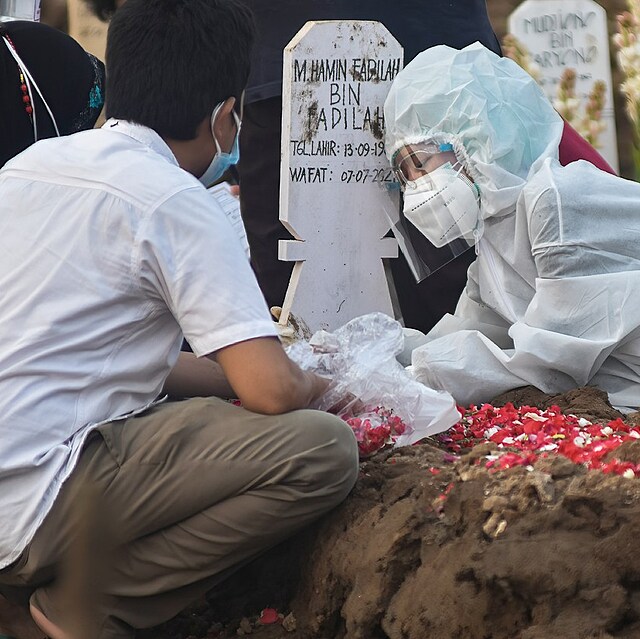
x,y
412,339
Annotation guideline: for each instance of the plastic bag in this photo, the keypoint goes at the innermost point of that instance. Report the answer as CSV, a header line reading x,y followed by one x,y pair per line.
x,y
370,389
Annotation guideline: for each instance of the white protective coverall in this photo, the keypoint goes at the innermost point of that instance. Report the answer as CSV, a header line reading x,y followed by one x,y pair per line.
x,y
553,298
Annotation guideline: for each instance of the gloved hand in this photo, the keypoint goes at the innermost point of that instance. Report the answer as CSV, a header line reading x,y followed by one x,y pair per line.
x,y
412,339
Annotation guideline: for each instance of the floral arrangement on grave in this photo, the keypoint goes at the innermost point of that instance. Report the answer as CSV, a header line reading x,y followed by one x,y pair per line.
x,y
586,121
589,123
514,49
627,43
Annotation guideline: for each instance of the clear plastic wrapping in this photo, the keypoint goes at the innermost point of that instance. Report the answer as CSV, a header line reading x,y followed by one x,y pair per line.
x,y
370,389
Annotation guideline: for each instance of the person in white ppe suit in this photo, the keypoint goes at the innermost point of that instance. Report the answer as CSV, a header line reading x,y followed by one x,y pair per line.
x,y
553,297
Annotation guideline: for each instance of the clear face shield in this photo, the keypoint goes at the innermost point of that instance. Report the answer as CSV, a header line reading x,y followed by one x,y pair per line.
x,y
433,207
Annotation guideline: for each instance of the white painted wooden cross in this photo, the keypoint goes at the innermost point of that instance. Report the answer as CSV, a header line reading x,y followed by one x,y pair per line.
x,y
336,77
561,34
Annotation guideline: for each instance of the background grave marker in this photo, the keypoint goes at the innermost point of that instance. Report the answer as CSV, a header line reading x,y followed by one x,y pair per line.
x,y
561,34
19,10
336,77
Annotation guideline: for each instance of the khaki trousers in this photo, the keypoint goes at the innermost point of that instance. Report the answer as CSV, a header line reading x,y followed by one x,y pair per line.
x,y
188,491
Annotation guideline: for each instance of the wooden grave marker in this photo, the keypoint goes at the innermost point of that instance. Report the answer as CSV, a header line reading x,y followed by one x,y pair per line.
x,y
336,77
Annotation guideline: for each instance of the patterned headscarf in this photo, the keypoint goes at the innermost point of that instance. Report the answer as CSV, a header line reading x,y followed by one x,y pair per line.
x,y
70,79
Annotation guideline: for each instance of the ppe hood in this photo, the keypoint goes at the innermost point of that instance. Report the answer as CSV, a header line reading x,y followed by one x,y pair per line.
x,y
501,125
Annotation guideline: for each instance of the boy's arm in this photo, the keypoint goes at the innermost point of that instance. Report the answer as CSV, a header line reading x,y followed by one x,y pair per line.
x,y
265,380
258,372
197,377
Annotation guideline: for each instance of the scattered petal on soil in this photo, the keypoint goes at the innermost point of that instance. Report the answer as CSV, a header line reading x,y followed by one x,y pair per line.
x,y
524,434
269,616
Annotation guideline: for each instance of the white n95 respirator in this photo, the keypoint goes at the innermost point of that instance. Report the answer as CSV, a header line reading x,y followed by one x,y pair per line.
x,y
443,205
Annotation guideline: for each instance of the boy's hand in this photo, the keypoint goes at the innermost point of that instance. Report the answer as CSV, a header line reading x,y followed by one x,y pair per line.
x,y
265,380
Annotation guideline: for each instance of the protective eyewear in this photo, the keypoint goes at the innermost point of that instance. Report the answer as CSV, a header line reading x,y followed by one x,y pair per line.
x,y
415,160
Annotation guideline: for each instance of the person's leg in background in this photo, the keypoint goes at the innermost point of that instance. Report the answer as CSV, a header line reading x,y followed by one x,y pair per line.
x,y
259,171
424,303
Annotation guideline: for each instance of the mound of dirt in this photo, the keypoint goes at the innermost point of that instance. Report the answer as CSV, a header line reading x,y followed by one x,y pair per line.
x,y
430,547
588,402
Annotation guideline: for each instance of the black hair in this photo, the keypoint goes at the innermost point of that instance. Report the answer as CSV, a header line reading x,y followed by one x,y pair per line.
x,y
170,62
103,9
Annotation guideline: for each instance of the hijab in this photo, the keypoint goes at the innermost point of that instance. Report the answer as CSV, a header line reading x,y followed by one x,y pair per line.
x,y
70,79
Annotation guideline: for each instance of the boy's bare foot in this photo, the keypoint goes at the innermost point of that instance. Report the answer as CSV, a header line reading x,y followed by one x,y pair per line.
x,y
16,621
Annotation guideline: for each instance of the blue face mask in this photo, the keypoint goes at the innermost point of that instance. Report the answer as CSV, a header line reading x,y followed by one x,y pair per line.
x,y
222,161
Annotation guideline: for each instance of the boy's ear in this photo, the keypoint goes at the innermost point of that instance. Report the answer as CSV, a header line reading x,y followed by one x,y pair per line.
x,y
221,123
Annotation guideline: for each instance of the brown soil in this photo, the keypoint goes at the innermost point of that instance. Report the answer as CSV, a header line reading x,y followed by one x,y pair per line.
x,y
427,548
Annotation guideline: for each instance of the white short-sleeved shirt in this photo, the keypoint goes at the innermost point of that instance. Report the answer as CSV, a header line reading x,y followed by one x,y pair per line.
x,y
109,253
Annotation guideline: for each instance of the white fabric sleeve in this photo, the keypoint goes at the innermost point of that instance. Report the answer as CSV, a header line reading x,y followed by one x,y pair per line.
x,y
471,314
190,257
571,326
576,319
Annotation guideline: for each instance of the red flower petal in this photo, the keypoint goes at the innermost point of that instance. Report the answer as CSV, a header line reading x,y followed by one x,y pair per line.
x,y
269,616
